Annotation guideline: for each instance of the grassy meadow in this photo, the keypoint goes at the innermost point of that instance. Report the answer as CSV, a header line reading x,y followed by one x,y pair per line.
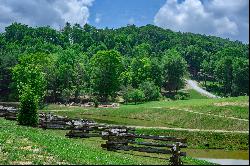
x,y
26,145
21,145
230,114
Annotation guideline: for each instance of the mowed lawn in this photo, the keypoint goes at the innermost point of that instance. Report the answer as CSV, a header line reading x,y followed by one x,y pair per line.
x,y
211,114
21,145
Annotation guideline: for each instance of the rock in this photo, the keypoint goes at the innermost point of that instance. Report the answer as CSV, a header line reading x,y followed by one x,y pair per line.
x,y
115,105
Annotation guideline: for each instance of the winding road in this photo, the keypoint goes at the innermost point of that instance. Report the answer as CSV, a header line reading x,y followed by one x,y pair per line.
x,y
194,85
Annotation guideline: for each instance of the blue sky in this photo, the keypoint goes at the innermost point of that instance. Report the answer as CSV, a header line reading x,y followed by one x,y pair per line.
x,y
223,18
117,13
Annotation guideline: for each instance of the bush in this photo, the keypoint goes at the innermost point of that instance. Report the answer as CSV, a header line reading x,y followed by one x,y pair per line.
x,y
137,95
126,93
66,94
95,101
151,91
133,95
28,115
182,95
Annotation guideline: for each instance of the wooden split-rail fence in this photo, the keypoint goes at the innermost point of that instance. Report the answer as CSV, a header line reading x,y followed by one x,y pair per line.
x,y
9,113
91,130
122,139
117,137
50,121
86,130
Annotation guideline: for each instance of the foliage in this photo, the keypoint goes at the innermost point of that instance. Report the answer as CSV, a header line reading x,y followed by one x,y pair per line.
x,y
147,53
240,77
96,103
8,58
140,70
151,91
70,74
28,114
224,73
137,96
194,56
182,96
126,90
105,73
133,95
30,72
174,67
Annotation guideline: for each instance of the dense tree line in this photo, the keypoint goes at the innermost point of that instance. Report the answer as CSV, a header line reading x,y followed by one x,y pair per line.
x,y
136,62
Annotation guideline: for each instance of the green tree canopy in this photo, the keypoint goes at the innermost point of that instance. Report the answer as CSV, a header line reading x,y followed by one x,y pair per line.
x,y
174,70
105,72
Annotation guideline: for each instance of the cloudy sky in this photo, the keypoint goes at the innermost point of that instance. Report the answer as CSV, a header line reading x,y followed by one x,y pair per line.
x,y
223,18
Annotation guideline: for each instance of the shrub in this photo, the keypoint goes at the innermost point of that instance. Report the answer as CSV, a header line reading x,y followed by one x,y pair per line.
x,y
151,91
181,95
126,93
66,94
136,95
130,94
28,115
95,101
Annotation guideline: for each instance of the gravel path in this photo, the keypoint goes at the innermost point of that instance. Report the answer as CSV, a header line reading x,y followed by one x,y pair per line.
x,y
194,85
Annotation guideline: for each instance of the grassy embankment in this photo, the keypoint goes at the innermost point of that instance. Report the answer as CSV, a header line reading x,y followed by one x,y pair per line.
x,y
195,95
206,140
25,145
208,114
213,87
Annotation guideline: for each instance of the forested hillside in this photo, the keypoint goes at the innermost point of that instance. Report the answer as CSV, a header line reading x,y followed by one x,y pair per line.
x,y
135,62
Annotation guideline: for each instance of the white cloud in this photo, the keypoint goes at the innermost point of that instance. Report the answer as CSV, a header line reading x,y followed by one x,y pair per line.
x,y
223,18
227,5
44,12
77,10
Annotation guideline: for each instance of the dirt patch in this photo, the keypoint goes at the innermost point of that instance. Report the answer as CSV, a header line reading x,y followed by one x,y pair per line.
x,y
29,148
48,159
36,150
62,163
9,141
241,104
22,163
26,148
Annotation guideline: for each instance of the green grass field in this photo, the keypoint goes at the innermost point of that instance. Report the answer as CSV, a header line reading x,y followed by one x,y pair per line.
x,y
24,145
205,140
21,145
195,95
210,114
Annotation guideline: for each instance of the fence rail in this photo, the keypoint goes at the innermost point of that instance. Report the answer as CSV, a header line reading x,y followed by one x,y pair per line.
x,y
117,137
122,140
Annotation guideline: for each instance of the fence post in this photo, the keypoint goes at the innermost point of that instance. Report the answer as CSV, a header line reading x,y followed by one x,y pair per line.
x,y
110,142
45,121
175,158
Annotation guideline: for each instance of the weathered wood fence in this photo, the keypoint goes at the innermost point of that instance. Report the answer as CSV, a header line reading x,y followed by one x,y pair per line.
x,y
117,137
85,131
48,120
121,139
9,113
